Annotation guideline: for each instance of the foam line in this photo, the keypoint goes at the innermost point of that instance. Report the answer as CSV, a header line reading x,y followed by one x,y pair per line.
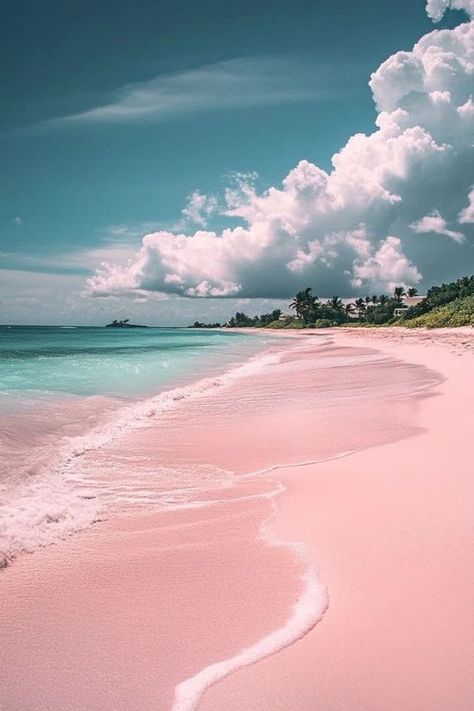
x,y
306,612
47,509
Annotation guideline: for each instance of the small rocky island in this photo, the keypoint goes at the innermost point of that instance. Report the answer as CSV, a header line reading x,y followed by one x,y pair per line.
x,y
124,324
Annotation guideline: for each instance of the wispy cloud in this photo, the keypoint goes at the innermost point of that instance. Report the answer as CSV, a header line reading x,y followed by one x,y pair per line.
x,y
235,83
130,232
199,208
81,261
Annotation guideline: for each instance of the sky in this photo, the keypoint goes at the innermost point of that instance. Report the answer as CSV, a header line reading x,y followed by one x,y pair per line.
x,y
172,162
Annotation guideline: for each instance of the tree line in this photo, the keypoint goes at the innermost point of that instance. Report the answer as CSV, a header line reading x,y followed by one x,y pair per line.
x,y
334,312
310,312
377,309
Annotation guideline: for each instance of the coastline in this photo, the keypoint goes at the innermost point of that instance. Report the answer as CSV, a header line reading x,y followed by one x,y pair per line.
x,y
55,413
170,578
390,529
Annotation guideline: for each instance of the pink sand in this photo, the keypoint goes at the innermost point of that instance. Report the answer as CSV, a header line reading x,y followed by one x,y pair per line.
x,y
391,529
120,615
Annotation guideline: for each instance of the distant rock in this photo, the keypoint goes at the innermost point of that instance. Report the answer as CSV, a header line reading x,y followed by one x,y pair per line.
x,y
124,324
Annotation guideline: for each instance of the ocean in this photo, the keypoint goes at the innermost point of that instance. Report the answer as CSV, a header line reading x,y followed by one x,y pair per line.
x,y
65,391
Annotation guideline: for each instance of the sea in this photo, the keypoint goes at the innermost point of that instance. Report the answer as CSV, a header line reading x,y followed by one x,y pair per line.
x,y
65,391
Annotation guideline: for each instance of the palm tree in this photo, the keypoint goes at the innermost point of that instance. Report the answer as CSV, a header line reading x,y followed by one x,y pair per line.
x,y
348,309
383,299
372,300
303,302
336,303
412,291
398,293
360,307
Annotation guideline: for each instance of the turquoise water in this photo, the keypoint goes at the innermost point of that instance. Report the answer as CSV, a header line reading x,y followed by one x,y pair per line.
x,y
67,391
113,362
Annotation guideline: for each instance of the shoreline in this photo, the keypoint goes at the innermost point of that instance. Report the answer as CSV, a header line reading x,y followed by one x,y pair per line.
x,y
208,538
368,653
81,423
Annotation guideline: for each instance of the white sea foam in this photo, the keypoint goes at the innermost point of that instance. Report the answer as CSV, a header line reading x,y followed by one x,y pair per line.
x,y
54,504
41,513
139,414
306,612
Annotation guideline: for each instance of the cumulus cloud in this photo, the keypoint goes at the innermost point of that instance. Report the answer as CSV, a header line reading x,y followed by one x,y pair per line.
x,y
437,8
347,229
437,224
388,267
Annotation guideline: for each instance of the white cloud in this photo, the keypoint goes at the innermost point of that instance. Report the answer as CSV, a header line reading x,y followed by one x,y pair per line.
x,y
247,81
30,297
199,208
349,227
127,232
466,216
84,260
437,8
17,221
437,224
387,268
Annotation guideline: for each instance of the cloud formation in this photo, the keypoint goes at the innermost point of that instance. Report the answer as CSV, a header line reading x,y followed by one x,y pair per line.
x,y
437,224
437,8
242,82
353,228
466,216
199,208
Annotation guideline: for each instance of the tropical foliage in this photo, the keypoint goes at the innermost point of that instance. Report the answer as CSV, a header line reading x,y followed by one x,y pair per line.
x,y
459,312
441,295
198,324
373,310
241,320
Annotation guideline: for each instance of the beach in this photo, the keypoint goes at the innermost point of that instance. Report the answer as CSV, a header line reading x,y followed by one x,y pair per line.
x,y
307,546
391,529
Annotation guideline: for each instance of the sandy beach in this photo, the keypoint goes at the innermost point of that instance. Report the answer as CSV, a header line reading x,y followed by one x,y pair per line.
x,y
391,529
237,356
321,558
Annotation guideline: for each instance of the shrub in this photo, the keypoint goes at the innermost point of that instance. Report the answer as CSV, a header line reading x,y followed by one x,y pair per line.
x,y
459,312
440,296
287,323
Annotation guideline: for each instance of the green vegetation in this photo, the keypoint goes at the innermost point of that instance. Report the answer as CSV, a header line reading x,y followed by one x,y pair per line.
x,y
241,320
123,324
459,312
446,305
198,324
441,295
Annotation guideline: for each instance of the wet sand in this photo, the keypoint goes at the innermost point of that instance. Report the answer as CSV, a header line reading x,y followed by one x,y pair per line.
x,y
391,529
148,608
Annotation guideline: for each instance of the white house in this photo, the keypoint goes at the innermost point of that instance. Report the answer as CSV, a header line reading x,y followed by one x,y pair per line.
x,y
285,317
407,302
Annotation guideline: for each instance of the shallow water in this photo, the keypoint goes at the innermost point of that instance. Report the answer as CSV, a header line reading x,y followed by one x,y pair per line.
x,y
67,390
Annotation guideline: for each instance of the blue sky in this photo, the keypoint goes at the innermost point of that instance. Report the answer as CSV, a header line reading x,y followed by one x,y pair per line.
x,y
115,113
